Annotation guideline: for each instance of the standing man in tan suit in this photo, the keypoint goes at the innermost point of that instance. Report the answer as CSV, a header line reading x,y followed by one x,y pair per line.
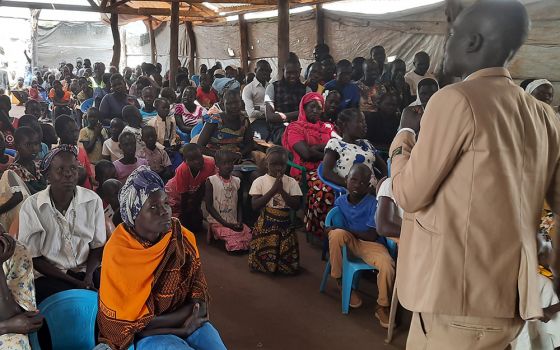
x,y
475,181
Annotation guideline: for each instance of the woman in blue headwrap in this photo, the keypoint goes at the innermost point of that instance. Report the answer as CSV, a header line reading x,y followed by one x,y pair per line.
x,y
153,292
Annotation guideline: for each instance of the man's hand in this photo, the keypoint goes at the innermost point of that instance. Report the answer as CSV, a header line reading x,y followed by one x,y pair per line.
x,y
7,247
411,120
88,282
24,323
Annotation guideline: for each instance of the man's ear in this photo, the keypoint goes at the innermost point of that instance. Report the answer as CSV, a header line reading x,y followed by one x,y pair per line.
x,y
474,42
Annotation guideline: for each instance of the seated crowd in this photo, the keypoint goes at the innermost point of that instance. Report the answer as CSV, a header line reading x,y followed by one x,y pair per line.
x,y
110,197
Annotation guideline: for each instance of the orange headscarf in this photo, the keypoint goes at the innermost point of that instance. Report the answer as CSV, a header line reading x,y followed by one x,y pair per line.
x,y
140,281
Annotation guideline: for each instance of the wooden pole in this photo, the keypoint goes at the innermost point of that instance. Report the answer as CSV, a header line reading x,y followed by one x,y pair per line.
x,y
34,37
116,39
320,24
192,47
283,34
244,41
174,44
153,47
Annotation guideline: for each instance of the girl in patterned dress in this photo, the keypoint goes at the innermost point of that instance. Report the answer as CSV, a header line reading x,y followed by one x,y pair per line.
x,y
224,206
274,247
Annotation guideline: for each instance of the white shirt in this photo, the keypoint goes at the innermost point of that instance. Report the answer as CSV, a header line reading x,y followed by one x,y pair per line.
x,y
111,148
412,79
263,184
537,335
253,96
64,240
386,190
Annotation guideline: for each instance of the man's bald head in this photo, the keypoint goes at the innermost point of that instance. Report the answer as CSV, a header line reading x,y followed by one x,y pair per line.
x,y
487,34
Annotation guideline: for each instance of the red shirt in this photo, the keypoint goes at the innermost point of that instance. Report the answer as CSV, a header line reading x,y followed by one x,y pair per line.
x,y
185,181
83,159
206,99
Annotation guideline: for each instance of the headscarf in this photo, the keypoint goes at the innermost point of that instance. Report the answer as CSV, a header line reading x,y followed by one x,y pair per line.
x,y
421,82
138,186
47,160
535,84
317,133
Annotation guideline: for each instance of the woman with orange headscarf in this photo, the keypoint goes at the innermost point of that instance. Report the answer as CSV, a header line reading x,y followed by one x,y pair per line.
x,y
153,292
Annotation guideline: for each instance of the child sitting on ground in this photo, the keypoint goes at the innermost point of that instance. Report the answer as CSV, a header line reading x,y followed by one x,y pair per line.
x,y
274,246
223,202
110,195
543,334
104,170
22,178
359,234
129,162
164,124
132,117
157,158
111,150
32,122
189,181
170,95
68,132
188,113
93,136
148,112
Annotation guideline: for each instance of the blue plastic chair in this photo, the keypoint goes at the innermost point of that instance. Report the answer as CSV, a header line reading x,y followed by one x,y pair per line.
x,y
351,266
338,190
197,129
87,104
71,316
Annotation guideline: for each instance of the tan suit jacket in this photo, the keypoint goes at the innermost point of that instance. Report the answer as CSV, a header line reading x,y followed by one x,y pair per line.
x,y
486,157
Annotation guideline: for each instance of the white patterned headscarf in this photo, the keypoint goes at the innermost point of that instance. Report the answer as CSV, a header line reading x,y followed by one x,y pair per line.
x,y
535,84
140,184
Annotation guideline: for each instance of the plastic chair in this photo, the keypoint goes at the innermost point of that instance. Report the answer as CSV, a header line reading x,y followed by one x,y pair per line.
x,y
338,190
351,267
87,104
197,129
71,316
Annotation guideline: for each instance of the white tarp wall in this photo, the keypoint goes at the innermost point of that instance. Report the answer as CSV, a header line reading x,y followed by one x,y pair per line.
x,y
349,35
67,40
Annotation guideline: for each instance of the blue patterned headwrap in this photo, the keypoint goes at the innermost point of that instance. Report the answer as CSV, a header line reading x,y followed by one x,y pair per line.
x,y
140,184
46,162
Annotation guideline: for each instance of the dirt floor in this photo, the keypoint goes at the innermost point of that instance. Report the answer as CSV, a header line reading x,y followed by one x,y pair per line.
x,y
256,311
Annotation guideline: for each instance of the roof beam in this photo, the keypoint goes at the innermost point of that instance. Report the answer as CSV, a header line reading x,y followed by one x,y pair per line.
x,y
251,2
118,3
123,10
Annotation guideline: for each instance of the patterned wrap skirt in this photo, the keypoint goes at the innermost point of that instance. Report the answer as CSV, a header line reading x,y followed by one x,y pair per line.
x,y
320,199
274,246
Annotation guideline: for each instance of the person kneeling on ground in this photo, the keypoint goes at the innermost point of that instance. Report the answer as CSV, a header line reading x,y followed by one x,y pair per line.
x,y
153,291
274,247
360,236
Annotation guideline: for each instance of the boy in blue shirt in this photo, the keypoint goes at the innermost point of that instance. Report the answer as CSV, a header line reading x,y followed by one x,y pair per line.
x,y
360,237
343,83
